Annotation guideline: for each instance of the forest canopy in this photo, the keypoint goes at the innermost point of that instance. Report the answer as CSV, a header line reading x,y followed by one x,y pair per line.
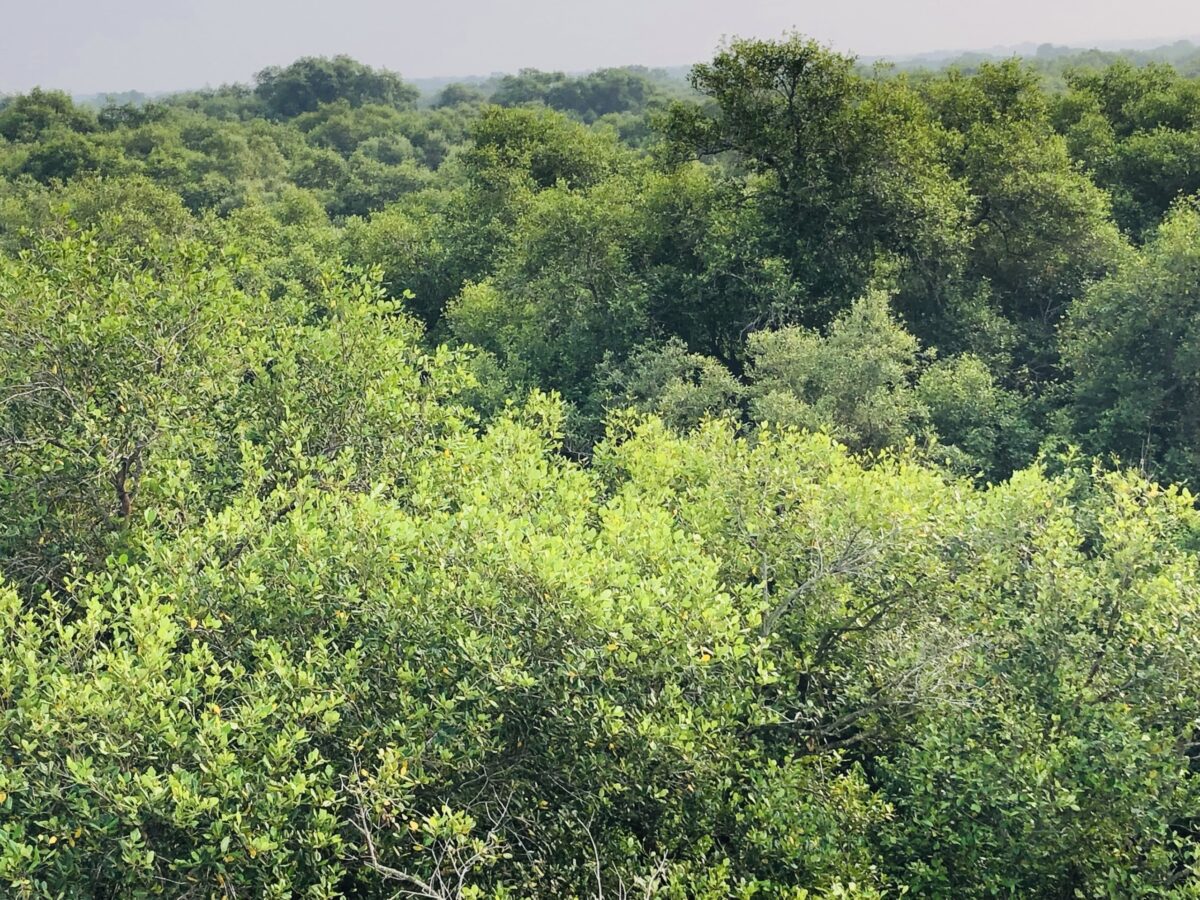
x,y
777,485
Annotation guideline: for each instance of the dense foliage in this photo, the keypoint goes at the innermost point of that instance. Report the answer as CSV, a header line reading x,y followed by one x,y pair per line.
x,y
582,486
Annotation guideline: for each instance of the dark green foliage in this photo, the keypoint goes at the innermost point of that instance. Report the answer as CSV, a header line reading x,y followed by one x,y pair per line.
x,y
589,97
312,81
1040,228
60,156
987,427
1136,129
567,297
982,203
27,117
850,167
130,115
459,95
538,148
1132,343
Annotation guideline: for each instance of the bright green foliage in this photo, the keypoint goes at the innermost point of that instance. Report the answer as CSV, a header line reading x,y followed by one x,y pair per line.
x,y
284,246
107,365
133,384
344,644
1035,779
126,212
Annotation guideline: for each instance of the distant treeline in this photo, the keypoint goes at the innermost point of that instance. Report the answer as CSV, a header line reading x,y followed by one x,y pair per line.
x,y
561,90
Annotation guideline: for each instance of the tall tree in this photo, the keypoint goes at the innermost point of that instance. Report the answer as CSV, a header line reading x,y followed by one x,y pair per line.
x,y
847,168
1133,347
308,82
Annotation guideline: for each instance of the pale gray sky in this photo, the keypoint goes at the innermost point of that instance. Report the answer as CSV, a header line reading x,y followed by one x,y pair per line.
x,y
111,45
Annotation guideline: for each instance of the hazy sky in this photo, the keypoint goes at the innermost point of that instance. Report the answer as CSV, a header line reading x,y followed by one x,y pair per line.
x,y
110,45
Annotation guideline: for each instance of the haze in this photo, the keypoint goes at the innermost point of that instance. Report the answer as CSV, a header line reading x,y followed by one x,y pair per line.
x,y
153,45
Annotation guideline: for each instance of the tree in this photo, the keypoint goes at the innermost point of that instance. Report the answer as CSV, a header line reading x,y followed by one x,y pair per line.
x,y
762,600
856,381
343,640
134,403
527,86
61,155
566,295
1135,129
849,167
1061,740
1132,347
587,97
339,126
312,81
25,118
130,115
459,95
985,427
1041,229
666,381
122,212
538,149
103,393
